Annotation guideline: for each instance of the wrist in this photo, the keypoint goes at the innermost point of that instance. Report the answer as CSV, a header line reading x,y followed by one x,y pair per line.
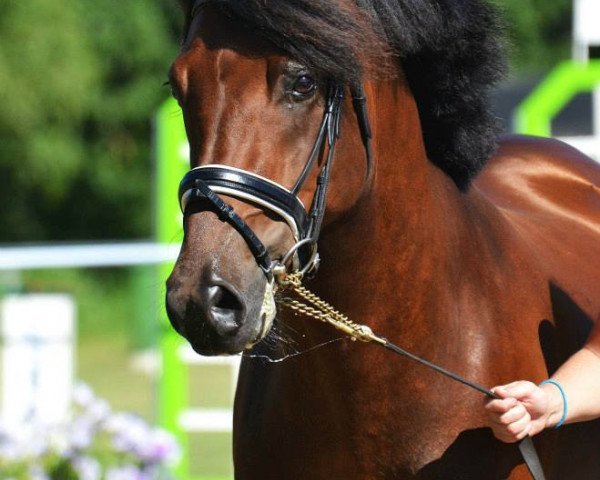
x,y
557,408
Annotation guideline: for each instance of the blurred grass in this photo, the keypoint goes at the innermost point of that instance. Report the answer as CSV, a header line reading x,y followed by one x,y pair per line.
x,y
104,298
109,317
210,447
104,363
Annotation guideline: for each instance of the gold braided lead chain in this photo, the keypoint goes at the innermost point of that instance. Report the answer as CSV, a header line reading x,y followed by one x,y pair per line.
x,y
321,310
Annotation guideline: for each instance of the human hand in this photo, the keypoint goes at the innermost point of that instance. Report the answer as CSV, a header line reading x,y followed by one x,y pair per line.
x,y
522,410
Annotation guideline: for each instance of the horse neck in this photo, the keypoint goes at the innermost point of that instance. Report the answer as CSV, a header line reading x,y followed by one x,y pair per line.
x,y
393,249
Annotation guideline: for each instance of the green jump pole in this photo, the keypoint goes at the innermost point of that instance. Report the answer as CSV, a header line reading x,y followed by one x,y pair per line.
x,y
171,154
534,116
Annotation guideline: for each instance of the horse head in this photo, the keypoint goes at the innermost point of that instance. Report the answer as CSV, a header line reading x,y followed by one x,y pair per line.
x,y
265,91
253,115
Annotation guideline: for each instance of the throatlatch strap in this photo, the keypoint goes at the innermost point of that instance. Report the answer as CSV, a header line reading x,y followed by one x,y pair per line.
x,y
332,119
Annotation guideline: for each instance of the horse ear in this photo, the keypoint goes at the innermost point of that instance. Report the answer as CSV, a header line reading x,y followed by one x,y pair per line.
x,y
186,7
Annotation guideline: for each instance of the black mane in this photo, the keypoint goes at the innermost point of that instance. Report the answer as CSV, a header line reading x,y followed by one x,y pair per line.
x,y
450,51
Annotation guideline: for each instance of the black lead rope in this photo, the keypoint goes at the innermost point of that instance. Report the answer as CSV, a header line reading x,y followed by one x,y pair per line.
x,y
526,446
443,371
307,303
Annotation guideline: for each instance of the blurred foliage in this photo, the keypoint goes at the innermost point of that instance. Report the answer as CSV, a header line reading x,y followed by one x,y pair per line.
x,y
105,306
539,32
81,80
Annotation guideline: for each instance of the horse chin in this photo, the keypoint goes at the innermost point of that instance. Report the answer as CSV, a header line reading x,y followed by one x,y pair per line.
x,y
212,344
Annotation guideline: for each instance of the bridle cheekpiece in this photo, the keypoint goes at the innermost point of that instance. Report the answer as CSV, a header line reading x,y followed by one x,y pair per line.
x,y
207,182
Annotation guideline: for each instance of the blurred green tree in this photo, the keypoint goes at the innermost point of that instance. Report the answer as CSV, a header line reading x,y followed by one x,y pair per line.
x,y
81,80
539,32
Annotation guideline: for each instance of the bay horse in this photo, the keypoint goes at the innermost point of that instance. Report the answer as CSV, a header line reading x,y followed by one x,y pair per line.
x,y
480,254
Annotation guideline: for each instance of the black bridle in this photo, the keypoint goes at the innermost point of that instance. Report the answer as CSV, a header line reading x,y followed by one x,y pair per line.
x,y
204,184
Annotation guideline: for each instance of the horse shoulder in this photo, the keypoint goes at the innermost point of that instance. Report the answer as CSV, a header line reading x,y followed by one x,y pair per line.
x,y
550,193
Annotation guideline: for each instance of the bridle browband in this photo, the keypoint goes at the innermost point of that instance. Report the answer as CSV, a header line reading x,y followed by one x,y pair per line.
x,y
204,184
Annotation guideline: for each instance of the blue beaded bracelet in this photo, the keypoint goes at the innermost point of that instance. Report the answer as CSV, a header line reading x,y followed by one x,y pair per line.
x,y
564,397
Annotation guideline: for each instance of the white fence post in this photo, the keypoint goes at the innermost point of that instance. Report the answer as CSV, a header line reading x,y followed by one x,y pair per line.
x,y
586,14
37,358
206,420
586,34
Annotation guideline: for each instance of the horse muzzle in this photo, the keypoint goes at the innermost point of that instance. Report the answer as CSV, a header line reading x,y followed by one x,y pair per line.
x,y
216,318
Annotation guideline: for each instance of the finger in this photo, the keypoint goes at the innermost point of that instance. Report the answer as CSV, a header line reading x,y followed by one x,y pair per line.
x,y
507,437
525,432
503,436
514,415
519,390
509,417
501,406
520,428
513,432
501,391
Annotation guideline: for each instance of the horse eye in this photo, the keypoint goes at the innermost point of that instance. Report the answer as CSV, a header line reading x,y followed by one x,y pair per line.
x,y
304,86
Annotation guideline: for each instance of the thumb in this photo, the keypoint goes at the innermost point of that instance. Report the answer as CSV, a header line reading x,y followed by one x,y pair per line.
x,y
501,392
519,390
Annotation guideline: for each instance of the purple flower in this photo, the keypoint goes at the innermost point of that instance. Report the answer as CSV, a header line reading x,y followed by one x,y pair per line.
x,y
36,472
93,430
129,432
126,472
98,411
83,395
160,447
87,468
82,432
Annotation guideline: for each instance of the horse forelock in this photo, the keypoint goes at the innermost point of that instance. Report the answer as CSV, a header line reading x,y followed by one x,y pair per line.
x,y
451,52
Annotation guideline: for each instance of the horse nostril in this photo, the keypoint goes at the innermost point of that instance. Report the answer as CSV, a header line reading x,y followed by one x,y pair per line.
x,y
224,299
225,308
